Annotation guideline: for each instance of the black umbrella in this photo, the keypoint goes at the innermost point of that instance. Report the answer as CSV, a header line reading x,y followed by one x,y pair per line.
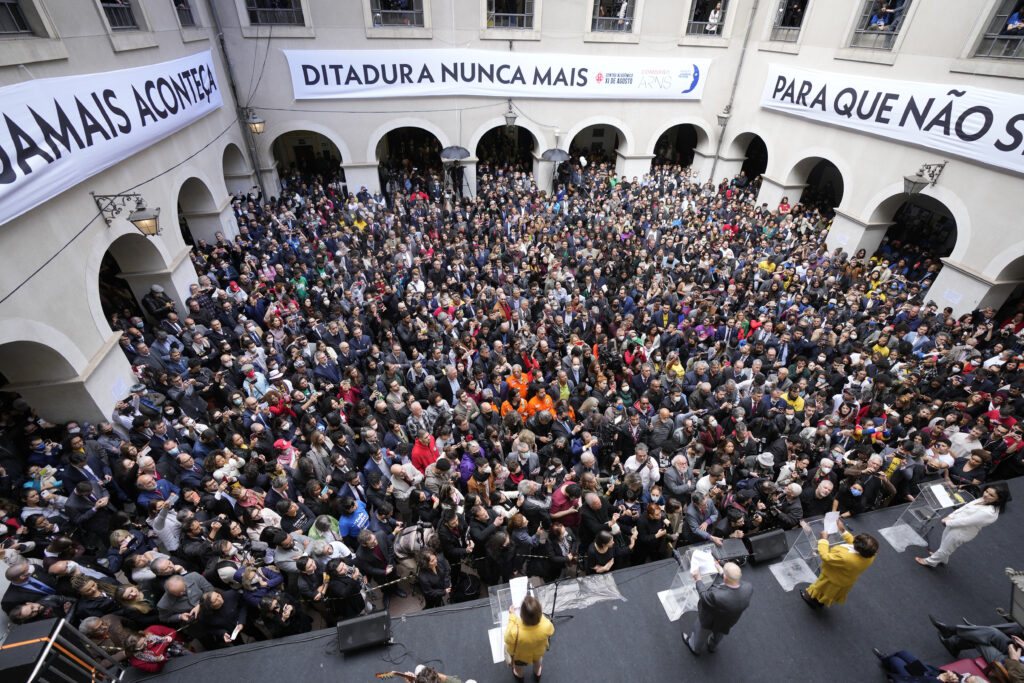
x,y
454,153
558,155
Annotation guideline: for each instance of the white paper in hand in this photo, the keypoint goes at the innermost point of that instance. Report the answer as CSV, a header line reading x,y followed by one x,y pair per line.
x,y
519,586
703,562
831,522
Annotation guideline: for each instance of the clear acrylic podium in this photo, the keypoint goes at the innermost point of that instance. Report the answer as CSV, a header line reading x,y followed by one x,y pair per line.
x,y
917,521
802,562
682,596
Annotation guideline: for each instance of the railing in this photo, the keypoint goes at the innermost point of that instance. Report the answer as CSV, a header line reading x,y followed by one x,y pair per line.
x,y
11,18
510,20
264,12
612,18
119,15
394,13
185,16
1000,40
707,18
878,28
788,20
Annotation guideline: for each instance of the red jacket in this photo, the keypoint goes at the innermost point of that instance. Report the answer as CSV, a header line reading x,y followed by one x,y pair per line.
x,y
423,456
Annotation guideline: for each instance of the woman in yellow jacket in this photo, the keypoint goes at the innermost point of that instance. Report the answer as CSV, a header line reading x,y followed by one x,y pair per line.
x,y
526,638
841,565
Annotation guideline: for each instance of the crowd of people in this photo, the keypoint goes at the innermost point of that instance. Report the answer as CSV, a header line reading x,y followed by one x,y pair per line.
x,y
368,395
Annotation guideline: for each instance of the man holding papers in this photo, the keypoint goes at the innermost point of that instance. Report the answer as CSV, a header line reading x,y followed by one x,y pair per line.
x,y
720,604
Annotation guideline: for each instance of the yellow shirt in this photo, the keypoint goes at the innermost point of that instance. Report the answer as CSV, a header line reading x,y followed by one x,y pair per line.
x,y
527,643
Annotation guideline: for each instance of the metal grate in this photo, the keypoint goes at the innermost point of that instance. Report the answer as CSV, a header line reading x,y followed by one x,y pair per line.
x,y
184,10
1004,37
880,24
788,20
613,15
513,14
707,17
11,18
119,15
397,12
264,12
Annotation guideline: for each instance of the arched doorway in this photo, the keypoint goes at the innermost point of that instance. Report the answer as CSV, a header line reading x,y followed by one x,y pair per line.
x,y
921,231
597,144
822,181
676,146
47,381
305,154
237,174
130,266
756,157
409,151
198,218
506,148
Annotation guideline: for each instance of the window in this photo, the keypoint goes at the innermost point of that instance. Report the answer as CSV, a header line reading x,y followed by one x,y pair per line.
x,y
879,24
1004,37
398,12
707,17
788,19
613,15
119,15
264,12
11,18
511,14
184,10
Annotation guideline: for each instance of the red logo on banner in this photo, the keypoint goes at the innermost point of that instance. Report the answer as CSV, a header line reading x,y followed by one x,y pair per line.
x,y
599,78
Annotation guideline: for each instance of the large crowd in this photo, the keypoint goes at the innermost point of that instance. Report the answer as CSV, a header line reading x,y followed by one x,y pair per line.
x,y
425,391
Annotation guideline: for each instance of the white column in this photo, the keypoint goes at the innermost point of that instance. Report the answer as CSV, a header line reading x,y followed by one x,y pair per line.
x,y
90,396
205,225
175,280
966,290
469,175
852,234
726,168
772,192
702,165
543,174
632,165
362,174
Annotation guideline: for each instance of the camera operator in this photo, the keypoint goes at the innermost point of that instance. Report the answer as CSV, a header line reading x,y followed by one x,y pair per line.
x,y
786,508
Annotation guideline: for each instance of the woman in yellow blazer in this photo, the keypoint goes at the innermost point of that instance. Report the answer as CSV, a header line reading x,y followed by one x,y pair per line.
x,y
841,565
526,638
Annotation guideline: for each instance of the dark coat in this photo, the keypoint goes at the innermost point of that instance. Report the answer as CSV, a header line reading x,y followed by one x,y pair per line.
x,y
719,606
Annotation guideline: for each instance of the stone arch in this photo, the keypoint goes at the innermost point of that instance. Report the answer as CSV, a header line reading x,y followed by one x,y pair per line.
x,y
24,358
272,131
1008,264
701,126
881,207
540,140
198,217
134,254
236,170
628,143
814,162
377,136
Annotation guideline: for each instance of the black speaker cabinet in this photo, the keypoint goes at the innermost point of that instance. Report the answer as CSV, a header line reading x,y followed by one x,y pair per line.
x,y
364,632
768,546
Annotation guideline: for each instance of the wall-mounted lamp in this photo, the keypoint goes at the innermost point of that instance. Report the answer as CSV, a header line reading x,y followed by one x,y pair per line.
x,y
927,175
145,220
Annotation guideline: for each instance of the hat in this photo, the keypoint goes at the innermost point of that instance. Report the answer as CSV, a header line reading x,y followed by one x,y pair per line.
x,y
234,286
275,374
281,444
137,388
766,460
156,288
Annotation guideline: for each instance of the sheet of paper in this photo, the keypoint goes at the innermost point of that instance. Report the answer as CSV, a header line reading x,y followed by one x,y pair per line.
x,y
703,562
939,491
519,586
496,636
238,629
831,519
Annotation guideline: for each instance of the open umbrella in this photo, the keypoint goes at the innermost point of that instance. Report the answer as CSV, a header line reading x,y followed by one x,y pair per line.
x,y
454,153
557,155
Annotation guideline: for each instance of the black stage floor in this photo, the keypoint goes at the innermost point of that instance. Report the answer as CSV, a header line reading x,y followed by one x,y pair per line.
x,y
778,639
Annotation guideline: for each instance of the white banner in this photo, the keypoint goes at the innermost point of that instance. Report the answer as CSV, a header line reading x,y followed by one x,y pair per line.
x,y
340,74
56,132
978,124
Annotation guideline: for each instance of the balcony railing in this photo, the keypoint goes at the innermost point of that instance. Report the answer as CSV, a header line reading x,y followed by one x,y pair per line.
x,y
184,10
1004,38
11,18
396,13
612,17
879,26
267,12
120,15
509,20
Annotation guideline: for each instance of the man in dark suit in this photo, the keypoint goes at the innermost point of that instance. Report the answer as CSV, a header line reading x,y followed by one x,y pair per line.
x,y
719,606
29,583
376,561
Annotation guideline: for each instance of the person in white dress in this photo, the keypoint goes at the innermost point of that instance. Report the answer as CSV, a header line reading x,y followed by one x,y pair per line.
x,y
964,523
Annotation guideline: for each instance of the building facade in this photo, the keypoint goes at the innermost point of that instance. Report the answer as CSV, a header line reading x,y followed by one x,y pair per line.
x,y
58,350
